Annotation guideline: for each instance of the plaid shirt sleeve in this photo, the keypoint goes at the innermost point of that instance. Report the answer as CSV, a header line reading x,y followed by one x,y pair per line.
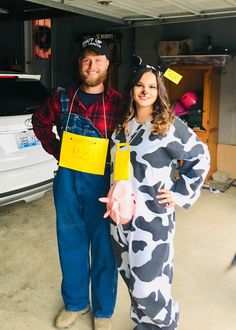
x,y
44,119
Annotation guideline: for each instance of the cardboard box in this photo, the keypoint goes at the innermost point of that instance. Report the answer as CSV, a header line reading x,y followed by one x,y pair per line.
x,y
226,159
173,48
168,48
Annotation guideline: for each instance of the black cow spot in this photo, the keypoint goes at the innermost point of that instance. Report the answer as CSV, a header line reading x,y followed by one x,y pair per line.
x,y
125,279
138,246
180,187
177,150
168,271
131,283
171,218
153,204
151,190
155,207
121,136
153,137
167,319
152,304
146,326
138,138
139,168
152,307
127,226
158,158
138,311
153,268
131,228
155,227
195,151
188,168
196,184
180,126
118,250
186,206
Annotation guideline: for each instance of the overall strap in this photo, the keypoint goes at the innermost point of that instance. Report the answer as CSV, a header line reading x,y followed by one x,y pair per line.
x,y
64,100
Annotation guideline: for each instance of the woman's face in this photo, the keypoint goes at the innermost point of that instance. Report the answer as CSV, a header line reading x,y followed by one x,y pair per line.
x,y
145,92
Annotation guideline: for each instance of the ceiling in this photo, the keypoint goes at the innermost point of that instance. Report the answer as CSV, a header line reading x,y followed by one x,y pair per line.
x,y
124,12
27,10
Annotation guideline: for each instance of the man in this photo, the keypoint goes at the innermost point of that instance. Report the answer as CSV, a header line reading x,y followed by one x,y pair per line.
x,y
83,235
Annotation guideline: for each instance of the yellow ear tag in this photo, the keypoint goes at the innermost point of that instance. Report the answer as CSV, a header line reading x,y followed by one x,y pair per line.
x,y
173,76
122,162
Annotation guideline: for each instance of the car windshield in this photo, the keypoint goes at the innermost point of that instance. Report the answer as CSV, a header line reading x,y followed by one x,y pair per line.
x,y
21,96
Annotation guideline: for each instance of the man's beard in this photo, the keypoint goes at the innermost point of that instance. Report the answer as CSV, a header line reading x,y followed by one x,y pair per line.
x,y
93,82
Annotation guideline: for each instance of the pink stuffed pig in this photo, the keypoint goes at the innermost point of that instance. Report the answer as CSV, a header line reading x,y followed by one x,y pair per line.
x,y
120,202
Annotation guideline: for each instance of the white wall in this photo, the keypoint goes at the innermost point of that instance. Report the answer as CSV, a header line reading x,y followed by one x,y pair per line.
x,y
227,120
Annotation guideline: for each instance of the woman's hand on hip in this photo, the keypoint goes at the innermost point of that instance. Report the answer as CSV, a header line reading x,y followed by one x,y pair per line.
x,y
165,196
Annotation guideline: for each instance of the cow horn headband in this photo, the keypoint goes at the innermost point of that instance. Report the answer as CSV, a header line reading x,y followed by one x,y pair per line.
x,y
138,65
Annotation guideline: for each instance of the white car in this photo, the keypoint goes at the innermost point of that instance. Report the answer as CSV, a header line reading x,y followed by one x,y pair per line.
x,y
26,169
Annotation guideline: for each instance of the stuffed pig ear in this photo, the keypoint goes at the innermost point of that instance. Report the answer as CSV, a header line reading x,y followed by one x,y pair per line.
x,y
107,213
103,199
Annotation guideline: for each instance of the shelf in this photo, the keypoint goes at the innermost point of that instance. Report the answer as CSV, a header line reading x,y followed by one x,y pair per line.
x,y
219,60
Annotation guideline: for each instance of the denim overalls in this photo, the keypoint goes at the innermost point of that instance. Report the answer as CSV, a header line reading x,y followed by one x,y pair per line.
x,y
83,235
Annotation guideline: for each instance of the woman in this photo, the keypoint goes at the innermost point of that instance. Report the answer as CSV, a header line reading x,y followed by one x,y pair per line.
x,y
144,246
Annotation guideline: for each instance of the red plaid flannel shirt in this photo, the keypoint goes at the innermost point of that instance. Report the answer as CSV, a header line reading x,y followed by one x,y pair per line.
x,y
49,115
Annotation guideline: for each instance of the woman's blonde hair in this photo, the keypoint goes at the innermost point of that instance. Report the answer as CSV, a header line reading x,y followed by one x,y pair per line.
x,y
162,113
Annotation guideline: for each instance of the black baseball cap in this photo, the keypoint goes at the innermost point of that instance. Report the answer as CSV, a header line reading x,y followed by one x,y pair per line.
x,y
96,45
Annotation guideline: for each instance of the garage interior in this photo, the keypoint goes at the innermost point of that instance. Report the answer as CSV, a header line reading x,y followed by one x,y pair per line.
x,y
204,282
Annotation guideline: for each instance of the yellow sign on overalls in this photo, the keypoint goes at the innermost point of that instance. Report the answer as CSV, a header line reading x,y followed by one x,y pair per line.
x,y
83,153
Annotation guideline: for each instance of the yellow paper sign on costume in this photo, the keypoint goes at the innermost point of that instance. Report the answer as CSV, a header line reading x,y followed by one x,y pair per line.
x,y
83,153
173,76
122,162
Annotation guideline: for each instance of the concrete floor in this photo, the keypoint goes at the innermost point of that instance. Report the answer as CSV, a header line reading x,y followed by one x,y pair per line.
x,y
204,246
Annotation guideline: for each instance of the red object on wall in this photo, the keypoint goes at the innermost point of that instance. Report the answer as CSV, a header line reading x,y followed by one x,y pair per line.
x,y
188,99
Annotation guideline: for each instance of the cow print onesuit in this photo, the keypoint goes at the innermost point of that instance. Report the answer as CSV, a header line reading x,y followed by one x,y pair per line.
x,y
144,246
